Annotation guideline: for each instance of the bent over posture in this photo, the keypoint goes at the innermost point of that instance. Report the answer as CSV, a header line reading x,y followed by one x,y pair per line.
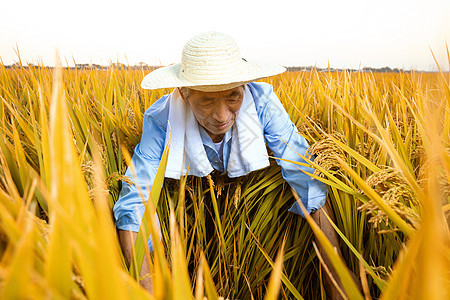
x,y
218,119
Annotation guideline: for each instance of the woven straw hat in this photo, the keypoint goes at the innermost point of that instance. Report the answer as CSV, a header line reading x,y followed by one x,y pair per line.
x,y
210,62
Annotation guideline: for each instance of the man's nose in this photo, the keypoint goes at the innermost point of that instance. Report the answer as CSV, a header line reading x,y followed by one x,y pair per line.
x,y
221,112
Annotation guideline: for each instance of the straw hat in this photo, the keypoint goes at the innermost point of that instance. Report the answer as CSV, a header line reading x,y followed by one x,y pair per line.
x,y
210,62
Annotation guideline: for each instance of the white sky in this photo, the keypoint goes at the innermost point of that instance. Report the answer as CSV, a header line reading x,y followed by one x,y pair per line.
x,y
347,33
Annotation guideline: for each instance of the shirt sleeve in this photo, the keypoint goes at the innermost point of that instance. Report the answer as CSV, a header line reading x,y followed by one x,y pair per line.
x,y
283,139
130,207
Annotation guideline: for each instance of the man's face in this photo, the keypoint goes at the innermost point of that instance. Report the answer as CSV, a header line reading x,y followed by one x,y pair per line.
x,y
216,111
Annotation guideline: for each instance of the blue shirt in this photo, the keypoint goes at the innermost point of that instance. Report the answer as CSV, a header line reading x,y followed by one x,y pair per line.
x,y
278,131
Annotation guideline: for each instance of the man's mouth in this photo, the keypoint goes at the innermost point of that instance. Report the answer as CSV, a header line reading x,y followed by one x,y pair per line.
x,y
221,126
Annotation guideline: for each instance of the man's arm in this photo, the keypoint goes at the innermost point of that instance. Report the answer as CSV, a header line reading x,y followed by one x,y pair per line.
x,y
127,239
286,143
129,208
283,139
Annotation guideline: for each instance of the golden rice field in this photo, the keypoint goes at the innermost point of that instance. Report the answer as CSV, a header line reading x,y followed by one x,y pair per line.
x,y
382,145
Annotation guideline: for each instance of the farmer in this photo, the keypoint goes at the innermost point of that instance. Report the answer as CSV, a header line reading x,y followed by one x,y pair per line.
x,y
218,119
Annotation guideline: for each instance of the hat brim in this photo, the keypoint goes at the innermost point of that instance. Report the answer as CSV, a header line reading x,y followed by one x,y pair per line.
x,y
168,77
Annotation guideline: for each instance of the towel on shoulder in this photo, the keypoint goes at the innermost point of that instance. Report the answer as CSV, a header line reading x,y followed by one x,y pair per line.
x,y
248,149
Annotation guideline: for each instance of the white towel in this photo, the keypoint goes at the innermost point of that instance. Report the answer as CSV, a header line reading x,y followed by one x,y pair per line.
x,y
248,149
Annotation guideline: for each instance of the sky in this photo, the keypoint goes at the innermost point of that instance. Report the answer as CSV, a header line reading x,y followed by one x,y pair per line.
x,y
345,34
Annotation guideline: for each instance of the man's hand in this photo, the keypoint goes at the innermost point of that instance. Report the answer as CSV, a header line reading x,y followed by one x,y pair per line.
x,y
321,219
127,239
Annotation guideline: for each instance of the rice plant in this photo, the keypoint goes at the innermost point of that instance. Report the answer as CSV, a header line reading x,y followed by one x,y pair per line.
x,y
379,141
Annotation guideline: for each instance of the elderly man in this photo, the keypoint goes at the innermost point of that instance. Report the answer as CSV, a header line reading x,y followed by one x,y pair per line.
x,y
219,119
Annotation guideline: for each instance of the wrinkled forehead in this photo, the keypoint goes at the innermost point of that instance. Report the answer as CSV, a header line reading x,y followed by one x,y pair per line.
x,y
236,92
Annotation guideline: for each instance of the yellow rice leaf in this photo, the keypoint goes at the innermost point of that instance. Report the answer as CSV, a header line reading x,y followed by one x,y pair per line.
x,y
18,264
209,285
275,282
58,266
180,276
